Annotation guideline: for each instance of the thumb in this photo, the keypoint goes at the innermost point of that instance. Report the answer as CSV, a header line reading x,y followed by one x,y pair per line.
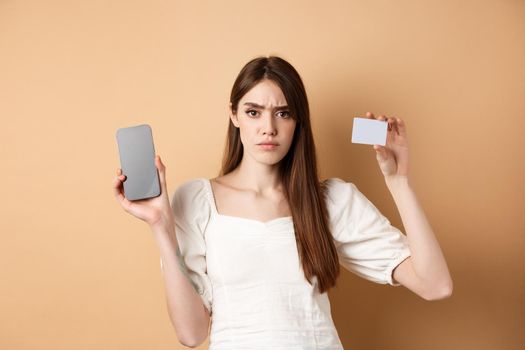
x,y
162,171
380,152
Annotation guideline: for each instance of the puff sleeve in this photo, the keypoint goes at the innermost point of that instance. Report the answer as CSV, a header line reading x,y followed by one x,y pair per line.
x,y
192,211
367,244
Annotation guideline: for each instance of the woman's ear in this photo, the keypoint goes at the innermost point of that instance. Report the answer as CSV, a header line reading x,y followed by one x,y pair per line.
x,y
233,117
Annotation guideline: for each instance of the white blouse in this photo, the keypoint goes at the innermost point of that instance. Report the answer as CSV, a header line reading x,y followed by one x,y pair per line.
x,y
248,272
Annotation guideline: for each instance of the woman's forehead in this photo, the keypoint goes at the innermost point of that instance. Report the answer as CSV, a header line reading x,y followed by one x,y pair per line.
x,y
265,93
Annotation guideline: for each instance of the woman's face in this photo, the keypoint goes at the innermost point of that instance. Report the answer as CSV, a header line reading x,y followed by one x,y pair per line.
x,y
266,126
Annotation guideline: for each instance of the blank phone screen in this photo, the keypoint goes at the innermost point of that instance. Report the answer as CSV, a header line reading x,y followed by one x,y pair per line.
x,y
137,160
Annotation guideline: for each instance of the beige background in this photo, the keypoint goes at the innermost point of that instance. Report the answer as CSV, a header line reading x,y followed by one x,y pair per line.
x,y
77,272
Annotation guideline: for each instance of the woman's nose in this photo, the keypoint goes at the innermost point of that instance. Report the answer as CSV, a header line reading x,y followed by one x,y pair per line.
x,y
268,125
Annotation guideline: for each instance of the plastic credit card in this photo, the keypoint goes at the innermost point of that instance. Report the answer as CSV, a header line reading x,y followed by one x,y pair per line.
x,y
369,131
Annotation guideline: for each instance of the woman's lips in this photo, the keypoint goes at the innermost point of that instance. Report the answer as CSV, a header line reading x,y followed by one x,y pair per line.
x,y
267,146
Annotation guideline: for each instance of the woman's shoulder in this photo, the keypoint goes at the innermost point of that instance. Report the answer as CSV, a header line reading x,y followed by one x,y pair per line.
x,y
337,189
341,196
191,193
191,185
345,204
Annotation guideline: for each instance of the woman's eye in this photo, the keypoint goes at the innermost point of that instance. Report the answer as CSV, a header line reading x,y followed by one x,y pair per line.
x,y
253,113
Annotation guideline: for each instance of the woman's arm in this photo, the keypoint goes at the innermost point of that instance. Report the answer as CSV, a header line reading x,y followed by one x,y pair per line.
x,y
425,272
185,307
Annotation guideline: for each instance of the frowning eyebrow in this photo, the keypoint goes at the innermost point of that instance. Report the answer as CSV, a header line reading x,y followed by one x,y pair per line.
x,y
255,105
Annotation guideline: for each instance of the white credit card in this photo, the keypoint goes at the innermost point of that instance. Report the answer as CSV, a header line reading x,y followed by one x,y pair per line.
x,y
369,131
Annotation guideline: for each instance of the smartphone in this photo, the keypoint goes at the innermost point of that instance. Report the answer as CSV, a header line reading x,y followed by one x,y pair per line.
x,y
137,161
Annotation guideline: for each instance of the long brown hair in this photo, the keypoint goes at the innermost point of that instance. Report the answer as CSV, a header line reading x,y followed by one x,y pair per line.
x,y
298,169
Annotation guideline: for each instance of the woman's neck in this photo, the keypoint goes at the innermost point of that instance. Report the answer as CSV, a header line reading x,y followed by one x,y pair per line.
x,y
261,178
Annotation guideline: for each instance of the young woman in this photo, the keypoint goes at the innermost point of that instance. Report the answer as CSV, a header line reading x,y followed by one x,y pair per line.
x,y
256,249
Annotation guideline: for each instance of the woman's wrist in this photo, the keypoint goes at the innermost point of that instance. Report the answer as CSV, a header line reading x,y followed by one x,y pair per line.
x,y
397,180
164,226
164,220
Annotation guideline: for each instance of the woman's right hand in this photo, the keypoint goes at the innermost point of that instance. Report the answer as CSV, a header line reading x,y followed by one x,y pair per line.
x,y
154,211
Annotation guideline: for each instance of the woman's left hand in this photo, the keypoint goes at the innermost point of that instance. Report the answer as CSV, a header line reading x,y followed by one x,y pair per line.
x,y
393,157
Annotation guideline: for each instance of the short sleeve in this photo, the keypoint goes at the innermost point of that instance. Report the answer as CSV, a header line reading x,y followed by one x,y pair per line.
x,y
367,244
191,211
